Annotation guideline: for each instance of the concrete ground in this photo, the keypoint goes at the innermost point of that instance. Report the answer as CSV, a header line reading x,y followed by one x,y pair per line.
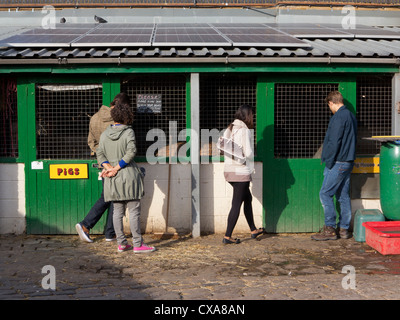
x,y
272,267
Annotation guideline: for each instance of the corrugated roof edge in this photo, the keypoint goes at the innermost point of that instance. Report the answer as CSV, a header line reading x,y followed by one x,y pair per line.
x,y
320,49
227,60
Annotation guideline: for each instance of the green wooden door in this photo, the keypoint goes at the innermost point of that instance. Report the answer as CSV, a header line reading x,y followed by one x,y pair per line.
x,y
55,206
291,182
50,109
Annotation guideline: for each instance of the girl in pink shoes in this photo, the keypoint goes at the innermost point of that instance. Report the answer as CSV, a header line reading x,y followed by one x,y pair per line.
x,y
123,184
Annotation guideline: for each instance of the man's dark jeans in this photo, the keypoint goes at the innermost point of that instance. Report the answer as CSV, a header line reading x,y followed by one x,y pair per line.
x,y
97,212
337,183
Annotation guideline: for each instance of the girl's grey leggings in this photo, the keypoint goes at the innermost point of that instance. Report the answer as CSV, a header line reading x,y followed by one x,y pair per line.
x,y
134,221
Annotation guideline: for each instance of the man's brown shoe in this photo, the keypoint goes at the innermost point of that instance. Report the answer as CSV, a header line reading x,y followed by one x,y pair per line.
x,y
344,234
326,233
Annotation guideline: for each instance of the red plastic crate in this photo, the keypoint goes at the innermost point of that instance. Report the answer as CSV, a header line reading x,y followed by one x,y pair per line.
x,y
383,236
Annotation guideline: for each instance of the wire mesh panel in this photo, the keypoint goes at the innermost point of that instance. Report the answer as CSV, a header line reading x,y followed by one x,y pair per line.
x,y
8,111
220,97
63,112
301,119
374,115
165,108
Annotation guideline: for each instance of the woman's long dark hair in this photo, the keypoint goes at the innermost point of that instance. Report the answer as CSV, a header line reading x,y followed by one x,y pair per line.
x,y
245,114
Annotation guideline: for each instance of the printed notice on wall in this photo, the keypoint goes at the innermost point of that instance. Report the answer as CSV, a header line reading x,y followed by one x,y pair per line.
x,y
37,165
366,165
149,103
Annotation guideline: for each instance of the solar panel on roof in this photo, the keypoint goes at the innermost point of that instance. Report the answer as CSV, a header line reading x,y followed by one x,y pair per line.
x,y
125,25
175,34
76,25
59,31
267,40
190,40
113,40
290,25
256,34
121,31
40,40
182,25
327,25
170,35
186,31
40,37
238,25
264,30
316,33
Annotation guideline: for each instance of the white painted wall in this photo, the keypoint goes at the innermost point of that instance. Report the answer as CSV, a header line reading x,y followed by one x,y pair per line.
x,y
365,204
216,197
215,193
12,198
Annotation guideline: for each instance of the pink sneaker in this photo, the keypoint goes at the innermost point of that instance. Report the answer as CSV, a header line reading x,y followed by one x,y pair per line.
x,y
122,248
144,248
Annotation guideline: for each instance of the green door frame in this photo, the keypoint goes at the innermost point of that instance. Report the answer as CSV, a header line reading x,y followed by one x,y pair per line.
x,y
27,128
277,194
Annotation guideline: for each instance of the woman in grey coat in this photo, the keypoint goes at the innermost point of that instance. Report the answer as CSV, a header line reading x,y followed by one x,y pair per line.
x,y
123,183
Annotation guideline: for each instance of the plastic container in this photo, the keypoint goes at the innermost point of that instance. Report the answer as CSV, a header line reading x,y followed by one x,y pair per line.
x,y
389,166
365,215
383,236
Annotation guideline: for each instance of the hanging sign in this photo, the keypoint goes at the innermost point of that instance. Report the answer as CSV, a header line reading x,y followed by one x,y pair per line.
x,y
149,103
69,171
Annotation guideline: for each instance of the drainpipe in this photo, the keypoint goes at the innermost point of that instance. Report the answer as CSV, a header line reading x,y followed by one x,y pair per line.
x,y
195,151
396,105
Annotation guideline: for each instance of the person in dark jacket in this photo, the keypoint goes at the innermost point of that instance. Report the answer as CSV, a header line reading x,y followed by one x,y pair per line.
x,y
338,153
